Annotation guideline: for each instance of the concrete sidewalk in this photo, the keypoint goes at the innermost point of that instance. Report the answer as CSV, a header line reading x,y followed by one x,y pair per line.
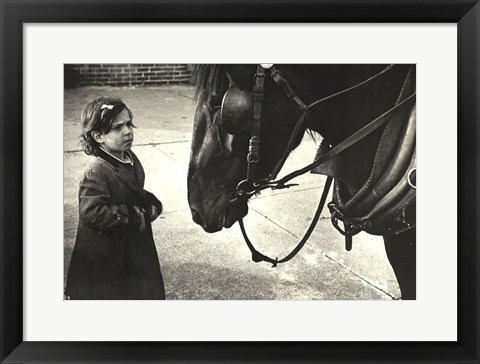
x,y
201,266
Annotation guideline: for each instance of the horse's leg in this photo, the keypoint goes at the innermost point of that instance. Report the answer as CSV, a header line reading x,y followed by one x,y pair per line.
x,y
401,252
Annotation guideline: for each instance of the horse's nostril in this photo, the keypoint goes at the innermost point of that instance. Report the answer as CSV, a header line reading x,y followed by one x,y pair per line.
x,y
198,219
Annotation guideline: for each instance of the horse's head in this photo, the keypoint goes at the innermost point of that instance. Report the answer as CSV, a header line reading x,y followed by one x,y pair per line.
x,y
224,121
218,160
215,168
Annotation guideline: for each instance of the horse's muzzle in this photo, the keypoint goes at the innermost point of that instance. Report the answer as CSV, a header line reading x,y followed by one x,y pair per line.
x,y
208,227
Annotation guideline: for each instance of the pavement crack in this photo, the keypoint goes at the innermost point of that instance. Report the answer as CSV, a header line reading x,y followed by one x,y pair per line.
x,y
327,256
181,94
164,213
165,153
288,191
70,91
275,223
360,277
166,143
137,145
281,227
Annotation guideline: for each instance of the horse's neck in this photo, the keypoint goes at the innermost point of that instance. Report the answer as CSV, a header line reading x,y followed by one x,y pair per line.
x,y
338,117
341,117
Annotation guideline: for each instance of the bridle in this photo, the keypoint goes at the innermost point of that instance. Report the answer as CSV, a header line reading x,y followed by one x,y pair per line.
x,y
250,185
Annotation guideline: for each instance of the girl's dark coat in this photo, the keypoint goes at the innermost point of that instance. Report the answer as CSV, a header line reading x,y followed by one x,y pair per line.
x,y
112,258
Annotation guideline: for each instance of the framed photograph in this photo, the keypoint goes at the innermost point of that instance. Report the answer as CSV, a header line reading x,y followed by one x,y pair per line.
x,y
180,91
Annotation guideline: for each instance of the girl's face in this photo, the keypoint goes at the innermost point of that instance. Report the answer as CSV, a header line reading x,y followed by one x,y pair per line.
x,y
120,137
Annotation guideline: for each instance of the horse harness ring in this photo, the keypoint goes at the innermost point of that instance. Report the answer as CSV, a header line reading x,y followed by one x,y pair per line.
x,y
239,107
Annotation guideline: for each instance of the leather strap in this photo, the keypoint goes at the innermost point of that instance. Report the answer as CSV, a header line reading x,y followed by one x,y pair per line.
x,y
397,192
256,186
299,129
384,176
299,126
394,172
259,257
246,187
253,156
285,87
352,139
383,205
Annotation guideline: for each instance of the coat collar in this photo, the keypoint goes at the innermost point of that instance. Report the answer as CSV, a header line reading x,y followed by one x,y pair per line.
x,y
125,177
108,158
114,161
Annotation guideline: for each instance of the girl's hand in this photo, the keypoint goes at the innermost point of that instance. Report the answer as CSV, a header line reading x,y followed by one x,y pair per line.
x,y
154,205
155,211
141,216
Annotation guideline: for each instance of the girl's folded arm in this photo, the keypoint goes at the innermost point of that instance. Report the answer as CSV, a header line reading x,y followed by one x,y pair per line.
x,y
96,211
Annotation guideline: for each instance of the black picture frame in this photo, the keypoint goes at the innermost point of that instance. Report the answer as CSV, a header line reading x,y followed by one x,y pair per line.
x,y
465,13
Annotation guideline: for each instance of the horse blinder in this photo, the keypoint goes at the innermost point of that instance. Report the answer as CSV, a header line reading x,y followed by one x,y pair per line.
x,y
236,110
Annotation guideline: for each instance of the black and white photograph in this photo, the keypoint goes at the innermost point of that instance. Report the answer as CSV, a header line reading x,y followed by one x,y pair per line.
x,y
240,181
168,197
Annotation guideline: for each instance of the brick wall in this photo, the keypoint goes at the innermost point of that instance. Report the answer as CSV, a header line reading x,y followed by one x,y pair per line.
x,y
77,75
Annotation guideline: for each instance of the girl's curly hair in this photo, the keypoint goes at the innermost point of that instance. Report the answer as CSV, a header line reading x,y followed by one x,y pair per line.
x,y
98,115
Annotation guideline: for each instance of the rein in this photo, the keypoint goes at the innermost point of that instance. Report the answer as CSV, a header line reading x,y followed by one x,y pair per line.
x,y
259,257
352,139
249,186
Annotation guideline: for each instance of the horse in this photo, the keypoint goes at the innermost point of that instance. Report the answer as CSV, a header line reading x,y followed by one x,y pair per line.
x,y
249,118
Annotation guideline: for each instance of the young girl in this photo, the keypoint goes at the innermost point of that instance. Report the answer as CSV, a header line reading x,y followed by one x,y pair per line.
x,y
114,256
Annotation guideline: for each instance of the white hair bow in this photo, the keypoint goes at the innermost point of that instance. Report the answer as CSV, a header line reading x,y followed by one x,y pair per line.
x,y
105,106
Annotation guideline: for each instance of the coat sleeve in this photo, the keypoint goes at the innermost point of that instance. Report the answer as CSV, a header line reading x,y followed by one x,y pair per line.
x,y
95,208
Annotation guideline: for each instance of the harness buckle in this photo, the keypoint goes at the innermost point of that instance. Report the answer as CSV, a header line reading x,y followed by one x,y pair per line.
x,y
253,155
258,96
349,229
